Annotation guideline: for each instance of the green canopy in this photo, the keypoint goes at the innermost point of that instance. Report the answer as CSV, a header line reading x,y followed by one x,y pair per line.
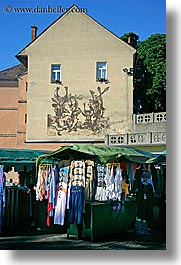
x,y
15,156
103,154
160,158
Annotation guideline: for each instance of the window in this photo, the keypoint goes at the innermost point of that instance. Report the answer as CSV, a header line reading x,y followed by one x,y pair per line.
x,y
25,118
55,73
26,86
101,73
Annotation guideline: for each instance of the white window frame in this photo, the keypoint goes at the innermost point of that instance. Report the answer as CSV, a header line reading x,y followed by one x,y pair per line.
x,y
55,72
101,70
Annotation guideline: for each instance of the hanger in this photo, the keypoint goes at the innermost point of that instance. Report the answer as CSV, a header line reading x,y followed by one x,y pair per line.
x,y
44,166
109,165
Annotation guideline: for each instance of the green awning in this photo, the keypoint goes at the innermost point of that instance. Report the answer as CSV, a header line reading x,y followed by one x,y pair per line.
x,y
161,158
103,154
14,156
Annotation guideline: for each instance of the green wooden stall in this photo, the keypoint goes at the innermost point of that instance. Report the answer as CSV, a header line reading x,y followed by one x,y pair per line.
x,y
99,220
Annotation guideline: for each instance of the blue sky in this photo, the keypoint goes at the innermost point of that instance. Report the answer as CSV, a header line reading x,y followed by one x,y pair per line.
x,y
143,17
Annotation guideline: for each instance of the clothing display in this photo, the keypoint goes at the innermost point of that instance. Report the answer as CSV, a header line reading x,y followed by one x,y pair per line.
x,y
101,183
77,174
76,194
12,176
89,191
110,185
2,195
161,175
146,176
124,187
145,202
61,196
65,188
76,203
76,191
145,198
52,186
68,185
79,196
1,206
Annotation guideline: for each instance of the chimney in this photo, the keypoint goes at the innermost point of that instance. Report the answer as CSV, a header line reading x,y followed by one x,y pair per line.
x,y
33,32
129,40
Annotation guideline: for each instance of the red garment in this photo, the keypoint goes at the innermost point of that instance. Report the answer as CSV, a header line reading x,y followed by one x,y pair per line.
x,y
49,208
123,166
134,168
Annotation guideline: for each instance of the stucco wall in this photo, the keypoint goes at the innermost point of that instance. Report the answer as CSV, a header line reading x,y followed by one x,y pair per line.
x,y
8,141
22,111
8,97
8,116
22,103
77,42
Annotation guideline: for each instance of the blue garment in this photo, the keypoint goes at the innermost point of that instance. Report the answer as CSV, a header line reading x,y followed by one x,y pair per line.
x,y
146,177
63,174
2,195
1,170
129,165
51,199
56,174
1,205
55,177
76,203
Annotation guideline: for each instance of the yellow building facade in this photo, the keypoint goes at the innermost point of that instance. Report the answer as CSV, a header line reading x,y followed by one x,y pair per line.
x,y
77,90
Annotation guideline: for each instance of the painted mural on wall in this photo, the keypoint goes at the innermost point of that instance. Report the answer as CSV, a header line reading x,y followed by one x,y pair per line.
x,y
77,113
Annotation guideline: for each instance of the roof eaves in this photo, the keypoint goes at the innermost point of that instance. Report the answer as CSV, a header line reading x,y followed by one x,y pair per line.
x,y
20,75
22,58
8,79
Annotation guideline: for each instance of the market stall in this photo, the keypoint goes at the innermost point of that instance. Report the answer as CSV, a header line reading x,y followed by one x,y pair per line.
x,y
158,171
88,188
17,175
